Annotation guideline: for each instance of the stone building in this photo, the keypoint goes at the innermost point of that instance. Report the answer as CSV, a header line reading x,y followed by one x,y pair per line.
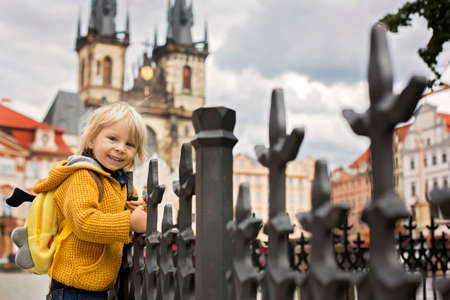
x,y
28,149
425,160
299,176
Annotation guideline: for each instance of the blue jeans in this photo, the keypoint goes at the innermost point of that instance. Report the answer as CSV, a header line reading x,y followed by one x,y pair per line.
x,y
69,293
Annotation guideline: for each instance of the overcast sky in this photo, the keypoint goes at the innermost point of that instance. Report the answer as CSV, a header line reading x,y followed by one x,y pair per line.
x,y
317,51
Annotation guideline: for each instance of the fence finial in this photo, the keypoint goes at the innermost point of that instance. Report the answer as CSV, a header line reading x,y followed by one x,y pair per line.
x,y
184,189
386,278
279,279
153,197
323,279
244,278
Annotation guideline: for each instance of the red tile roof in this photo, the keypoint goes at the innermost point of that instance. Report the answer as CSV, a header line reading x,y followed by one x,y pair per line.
x,y
13,119
363,158
446,117
401,132
22,128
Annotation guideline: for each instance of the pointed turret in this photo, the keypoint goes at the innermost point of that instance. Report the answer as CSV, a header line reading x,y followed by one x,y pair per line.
x,y
79,25
180,19
206,42
155,39
103,13
127,23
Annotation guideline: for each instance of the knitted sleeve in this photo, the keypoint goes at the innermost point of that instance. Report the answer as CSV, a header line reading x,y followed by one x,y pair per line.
x,y
82,211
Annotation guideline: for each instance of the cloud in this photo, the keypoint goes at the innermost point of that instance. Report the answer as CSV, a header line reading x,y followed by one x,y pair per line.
x,y
309,104
325,40
316,51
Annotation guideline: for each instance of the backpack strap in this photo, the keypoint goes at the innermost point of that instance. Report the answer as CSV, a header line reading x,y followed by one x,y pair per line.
x,y
99,183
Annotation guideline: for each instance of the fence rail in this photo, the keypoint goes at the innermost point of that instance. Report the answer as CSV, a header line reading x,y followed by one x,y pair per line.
x,y
225,248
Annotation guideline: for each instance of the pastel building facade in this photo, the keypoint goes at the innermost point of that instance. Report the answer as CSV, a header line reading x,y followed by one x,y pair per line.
x,y
28,149
299,176
425,161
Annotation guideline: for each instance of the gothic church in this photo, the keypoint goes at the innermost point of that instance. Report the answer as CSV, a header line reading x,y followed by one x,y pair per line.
x,y
170,84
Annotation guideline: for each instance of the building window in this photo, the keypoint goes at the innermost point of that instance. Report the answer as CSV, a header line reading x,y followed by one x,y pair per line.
x,y
187,78
433,160
444,157
435,184
412,163
32,170
425,162
445,182
413,189
7,166
107,70
428,142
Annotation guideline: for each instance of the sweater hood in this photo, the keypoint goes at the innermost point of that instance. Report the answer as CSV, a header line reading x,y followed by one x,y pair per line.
x,y
63,169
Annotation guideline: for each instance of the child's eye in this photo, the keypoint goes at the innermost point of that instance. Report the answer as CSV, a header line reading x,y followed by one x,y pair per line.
x,y
130,145
112,138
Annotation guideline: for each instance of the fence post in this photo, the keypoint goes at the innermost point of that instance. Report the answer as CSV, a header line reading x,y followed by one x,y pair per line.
x,y
323,280
244,277
386,278
153,197
279,279
184,189
214,141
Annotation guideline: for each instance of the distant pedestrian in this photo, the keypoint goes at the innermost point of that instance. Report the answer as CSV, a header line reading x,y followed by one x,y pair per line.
x,y
89,259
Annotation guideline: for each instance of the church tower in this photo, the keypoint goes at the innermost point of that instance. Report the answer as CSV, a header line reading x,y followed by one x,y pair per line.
x,y
170,85
182,59
101,56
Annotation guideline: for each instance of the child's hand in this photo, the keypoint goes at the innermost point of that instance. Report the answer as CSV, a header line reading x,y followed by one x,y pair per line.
x,y
138,220
132,205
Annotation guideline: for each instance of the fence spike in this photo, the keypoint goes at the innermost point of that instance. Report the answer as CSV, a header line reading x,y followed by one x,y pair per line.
x,y
167,268
323,279
386,278
243,278
153,197
279,279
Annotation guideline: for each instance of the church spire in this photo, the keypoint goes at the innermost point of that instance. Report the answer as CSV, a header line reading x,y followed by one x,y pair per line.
x,y
206,42
127,23
155,39
103,13
79,25
180,19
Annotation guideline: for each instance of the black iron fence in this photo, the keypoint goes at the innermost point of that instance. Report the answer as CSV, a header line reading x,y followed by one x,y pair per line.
x,y
223,266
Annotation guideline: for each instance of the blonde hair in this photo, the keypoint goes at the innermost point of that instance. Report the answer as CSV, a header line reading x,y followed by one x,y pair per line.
x,y
109,114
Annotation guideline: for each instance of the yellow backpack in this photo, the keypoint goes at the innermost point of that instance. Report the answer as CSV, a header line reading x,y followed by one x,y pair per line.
x,y
39,240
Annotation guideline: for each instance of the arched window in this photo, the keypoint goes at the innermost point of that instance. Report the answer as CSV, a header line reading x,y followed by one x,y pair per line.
x,y
186,78
107,70
82,73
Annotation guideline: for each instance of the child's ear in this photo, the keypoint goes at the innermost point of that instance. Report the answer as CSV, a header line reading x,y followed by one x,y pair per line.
x,y
90,145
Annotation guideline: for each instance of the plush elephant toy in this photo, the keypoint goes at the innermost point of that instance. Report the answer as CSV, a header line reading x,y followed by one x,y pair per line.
x,y
19,235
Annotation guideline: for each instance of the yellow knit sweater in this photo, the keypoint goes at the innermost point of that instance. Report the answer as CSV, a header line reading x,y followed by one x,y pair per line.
x,y
90,257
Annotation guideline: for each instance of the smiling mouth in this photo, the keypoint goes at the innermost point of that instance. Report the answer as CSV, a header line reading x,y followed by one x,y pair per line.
x,y
115,159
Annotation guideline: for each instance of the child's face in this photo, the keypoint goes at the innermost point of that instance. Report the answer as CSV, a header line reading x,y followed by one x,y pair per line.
x,y
112,147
